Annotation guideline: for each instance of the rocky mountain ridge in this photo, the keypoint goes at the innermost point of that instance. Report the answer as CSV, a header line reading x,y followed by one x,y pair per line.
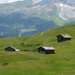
x,y
24,16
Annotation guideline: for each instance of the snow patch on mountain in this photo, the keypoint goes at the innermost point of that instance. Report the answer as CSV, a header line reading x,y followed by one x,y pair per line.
x,y
62,16
10,1
36,1
65,11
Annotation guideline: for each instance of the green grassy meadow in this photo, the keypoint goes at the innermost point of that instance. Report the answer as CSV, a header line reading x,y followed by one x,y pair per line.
x,y
29,62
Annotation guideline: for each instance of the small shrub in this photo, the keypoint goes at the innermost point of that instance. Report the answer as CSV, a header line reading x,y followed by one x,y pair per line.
x,y
32,44
5,64
22,44
30,49
23,39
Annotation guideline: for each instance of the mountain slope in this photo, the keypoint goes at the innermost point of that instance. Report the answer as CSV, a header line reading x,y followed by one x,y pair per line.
x,y
52,13
29,63
16,25
28,5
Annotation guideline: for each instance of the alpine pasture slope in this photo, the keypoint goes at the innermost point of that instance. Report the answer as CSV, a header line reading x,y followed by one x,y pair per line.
x,y
29,62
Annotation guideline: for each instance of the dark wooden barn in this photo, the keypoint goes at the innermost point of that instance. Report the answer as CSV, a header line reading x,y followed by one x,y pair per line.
x,y
47,50
63,37
11,48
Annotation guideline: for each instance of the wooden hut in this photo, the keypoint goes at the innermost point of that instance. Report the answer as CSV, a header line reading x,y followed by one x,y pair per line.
x,y
11,48
63,37
47,50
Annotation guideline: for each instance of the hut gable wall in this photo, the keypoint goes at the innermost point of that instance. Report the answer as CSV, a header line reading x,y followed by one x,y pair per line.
x,y
63,37
41,50
11,48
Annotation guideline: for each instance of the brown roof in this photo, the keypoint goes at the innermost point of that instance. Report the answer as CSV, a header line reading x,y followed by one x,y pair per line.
x,y
65,35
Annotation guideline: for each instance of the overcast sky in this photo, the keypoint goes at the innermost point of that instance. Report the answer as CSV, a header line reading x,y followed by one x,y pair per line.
x,y
8,1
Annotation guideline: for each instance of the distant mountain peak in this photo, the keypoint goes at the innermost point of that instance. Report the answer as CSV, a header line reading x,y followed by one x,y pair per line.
x,y
9,1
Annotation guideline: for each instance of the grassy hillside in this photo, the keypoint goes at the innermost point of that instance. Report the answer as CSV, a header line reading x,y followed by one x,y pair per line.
x,y
34,63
